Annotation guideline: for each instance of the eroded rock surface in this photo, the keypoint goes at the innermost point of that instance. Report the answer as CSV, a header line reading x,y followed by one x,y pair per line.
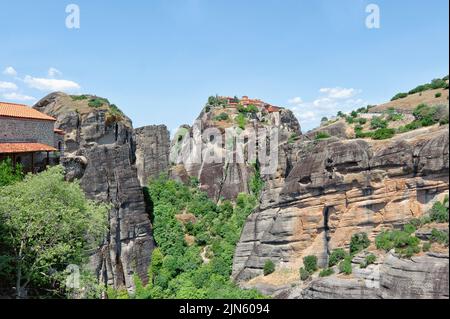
x,y
152,151
336,188
100,152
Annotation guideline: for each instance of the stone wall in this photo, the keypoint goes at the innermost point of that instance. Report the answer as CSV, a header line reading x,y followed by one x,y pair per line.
x,y
26,130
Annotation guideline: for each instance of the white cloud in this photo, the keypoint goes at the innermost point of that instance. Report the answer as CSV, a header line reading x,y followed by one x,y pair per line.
x,y
327,104
50,84
295,101
10,71
52,72
339,93
18,97
7,86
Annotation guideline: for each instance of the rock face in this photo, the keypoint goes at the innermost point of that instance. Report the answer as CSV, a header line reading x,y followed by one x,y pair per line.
x,y
421,277
152,151
210,153
339,187
99,151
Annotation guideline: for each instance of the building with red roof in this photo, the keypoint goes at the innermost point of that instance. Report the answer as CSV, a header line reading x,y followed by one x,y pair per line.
x,y
28,137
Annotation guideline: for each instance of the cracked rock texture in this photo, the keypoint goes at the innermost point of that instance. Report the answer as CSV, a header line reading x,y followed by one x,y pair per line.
x,y
152,151
100,152
338,187
229,176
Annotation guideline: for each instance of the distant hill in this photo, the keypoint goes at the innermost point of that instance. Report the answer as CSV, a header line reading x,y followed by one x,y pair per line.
x,y
434,93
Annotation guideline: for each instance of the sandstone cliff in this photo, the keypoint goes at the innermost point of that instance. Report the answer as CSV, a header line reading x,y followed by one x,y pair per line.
x,y
100,152
338,187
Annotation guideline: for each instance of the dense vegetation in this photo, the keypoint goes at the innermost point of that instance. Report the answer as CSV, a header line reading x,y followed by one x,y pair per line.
x,y
195,254
46,224
9,174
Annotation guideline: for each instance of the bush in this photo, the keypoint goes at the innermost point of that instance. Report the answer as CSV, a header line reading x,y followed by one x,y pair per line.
x,y
97,102
369,260
269,267
304,274
78,97
362,121
354,114
439,212
359,242
408,228
349,119
439,236
378,122
9,174
399,96
426,247
292,138
326,272
383,134
393,115
438,95
403,242
336,256
222,117
310,263
345,266
322,136
241,121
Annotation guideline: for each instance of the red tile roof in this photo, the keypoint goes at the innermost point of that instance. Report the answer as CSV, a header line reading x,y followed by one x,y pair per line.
x,y
58,131
22,111
10,148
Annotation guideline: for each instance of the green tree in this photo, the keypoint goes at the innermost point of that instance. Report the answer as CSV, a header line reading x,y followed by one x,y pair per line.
x,y
9,174
47,224
359,242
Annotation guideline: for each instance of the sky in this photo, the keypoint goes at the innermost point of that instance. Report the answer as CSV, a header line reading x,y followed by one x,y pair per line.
x,y
159,60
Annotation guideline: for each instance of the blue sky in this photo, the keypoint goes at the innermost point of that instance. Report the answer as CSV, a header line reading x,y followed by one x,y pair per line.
x,y
159,60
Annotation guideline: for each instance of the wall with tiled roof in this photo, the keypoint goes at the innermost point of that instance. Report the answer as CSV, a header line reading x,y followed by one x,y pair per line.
x,y
26,130
22,111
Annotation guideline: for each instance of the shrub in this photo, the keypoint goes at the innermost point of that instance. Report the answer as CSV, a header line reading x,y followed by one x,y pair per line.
x,y
361,134
78,97
249,109
304,274
340,114
349,119
326,272
336,256
383,134
369,260
8,173
359,242
399,96
241,121
362,121
378,122
439,236
393,115
97,102
310,263
354,114
222,117
408,228
322,136
426,247
403,242
292,138
269,267
438,95
439,212
345,266
324,119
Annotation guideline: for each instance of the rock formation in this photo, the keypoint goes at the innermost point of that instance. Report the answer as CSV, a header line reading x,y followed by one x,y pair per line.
x,y
99,151
338,187
152,151
227,177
